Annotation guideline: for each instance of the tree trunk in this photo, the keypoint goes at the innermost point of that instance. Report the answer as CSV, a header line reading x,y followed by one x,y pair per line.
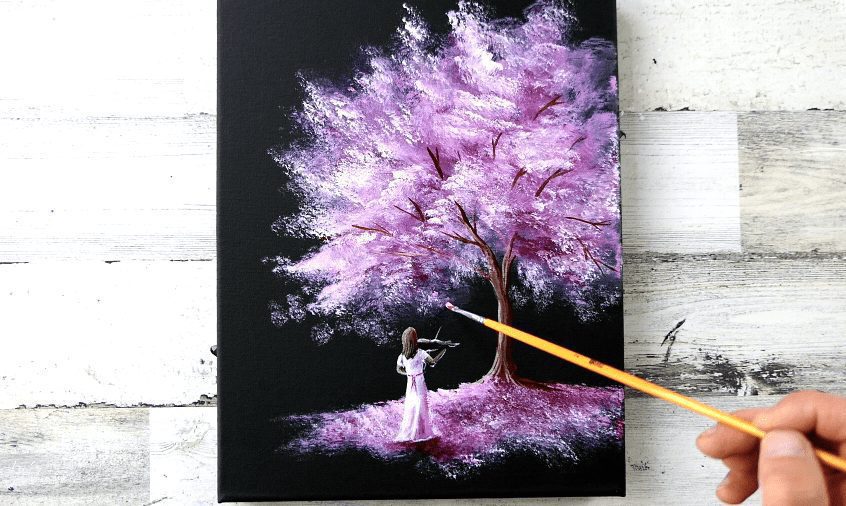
x,y
503,367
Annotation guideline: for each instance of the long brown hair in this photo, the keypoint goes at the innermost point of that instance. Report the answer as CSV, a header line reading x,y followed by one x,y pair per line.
x,y
409,342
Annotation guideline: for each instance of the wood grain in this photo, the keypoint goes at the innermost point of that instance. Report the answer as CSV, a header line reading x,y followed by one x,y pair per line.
x,y
791,167
731,55
754,324
679,182
75,456
183,456
107,162
107,188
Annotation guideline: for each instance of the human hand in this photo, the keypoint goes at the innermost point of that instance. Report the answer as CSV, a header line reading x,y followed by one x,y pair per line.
x,y
783,463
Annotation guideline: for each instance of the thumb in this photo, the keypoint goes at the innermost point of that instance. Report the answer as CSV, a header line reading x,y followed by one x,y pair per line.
x,y
788,470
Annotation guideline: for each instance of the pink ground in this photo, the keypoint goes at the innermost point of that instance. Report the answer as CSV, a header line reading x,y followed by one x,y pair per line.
x,y
477,424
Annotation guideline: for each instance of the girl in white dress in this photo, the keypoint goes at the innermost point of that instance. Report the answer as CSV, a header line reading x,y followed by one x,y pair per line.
x,y
416,423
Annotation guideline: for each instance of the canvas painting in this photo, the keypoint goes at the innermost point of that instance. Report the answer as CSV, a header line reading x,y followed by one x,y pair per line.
x,y
377,161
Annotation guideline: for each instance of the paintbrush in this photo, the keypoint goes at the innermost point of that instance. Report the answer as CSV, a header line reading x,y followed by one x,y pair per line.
x,y
633,381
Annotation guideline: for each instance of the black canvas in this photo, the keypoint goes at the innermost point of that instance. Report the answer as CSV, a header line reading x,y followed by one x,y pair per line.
x,y
375,162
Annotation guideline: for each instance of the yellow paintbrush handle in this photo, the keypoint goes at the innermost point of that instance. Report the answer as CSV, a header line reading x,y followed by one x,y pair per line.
x,y
646,386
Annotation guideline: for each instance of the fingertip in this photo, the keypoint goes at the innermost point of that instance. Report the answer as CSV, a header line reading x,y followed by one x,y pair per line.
x,y
703,440
736,487
722,441
709,432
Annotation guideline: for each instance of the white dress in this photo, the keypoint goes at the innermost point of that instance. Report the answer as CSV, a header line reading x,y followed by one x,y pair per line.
x,y
416,424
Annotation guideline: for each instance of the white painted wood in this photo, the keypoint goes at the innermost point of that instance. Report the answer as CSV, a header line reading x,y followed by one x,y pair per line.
x,y
680,182
103,58
754,323
186,233
731,54
123,333
77,456
107,162
792,170
183,456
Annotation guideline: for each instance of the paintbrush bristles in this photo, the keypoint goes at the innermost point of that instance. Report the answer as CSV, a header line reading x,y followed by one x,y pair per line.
x,y
476,318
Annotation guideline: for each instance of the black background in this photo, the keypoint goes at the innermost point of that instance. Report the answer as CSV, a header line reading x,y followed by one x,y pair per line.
x,y
265,372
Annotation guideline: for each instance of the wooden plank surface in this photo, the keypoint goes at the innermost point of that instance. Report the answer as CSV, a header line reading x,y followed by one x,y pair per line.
x,y
679,182
77,456
125,333
731,55
97,58
183,456
794,182
107,162
753,324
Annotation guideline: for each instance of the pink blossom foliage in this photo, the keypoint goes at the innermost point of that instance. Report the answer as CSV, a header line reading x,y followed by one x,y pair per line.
x,y
478,424
502,128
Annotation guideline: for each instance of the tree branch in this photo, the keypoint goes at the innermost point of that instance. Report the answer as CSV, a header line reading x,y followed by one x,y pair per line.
x,y
436,160
494,143
588,256
549,104
398,208
459,238
557,173
594,224
520,173
493,266
379,229
419,216
458,257
418,209
577,141
466,220
433,250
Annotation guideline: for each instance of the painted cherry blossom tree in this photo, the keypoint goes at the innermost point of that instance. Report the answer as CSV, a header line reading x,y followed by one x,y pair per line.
x,y
488,153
